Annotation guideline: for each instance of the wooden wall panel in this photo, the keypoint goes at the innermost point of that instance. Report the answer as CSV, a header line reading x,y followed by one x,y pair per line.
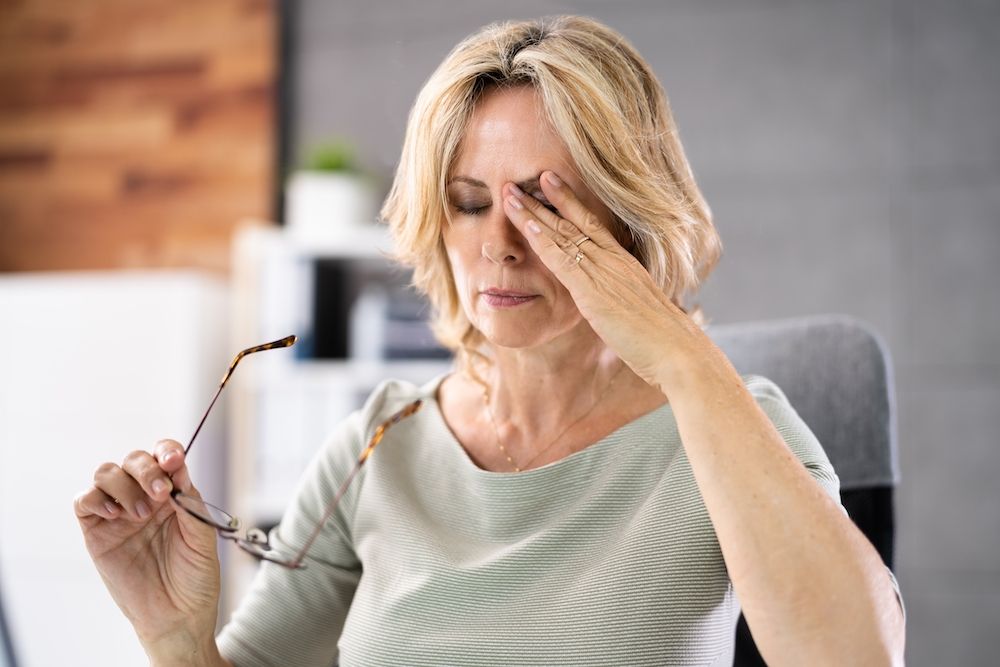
x,y
133,134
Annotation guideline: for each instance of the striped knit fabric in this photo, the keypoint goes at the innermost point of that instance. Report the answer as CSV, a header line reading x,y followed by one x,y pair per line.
x,y
606,557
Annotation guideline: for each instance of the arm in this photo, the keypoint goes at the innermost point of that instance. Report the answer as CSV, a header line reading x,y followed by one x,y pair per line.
x,y
814,591
295,617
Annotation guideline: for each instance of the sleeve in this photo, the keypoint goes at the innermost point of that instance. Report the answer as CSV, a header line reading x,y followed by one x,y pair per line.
x,y
805,445
797,435
295,617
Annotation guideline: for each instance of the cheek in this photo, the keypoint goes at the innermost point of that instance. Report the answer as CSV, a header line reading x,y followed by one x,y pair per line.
x,y
563,302
459,276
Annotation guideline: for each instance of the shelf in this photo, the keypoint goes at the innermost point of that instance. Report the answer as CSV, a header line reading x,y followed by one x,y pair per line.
x,y
323,374
355,241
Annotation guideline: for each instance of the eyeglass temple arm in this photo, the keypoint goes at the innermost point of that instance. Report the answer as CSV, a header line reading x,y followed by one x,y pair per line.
x,y
365,454
205,416
287,341
329,510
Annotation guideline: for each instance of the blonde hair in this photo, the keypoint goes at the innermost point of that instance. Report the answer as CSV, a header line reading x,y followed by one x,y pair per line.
x,y
604,102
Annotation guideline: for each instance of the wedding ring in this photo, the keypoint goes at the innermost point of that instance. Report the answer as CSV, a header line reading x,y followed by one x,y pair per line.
x,y
579,257
577,243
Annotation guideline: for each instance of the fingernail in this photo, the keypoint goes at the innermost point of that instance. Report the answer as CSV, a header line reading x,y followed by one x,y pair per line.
x,y
518,192
158,487
142,509
169,456
111,508
553,179
515,202
533,227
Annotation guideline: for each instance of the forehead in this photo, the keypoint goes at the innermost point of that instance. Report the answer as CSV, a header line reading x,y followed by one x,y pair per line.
x,y
509,136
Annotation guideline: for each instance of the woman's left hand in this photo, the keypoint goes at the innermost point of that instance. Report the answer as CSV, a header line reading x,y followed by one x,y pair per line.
x,y
613,291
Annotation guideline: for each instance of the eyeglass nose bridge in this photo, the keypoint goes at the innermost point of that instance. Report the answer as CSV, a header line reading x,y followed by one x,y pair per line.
x,y
256,543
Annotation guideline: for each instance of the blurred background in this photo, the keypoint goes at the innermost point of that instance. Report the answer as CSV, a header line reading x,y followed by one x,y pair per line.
x,y
167,173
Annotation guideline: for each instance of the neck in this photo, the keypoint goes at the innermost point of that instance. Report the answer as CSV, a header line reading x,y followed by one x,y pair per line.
x,y
534,393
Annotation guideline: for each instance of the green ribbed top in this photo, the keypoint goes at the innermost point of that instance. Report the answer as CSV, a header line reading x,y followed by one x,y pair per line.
x,y
604,557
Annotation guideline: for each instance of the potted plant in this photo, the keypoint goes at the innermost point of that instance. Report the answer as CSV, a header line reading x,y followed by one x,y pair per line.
x,y
330,193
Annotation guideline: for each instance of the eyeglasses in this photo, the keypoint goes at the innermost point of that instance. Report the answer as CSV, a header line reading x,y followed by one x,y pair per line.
x,y
254,541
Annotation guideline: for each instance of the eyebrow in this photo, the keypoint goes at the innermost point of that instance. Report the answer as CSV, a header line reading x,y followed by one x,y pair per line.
x,y
526,185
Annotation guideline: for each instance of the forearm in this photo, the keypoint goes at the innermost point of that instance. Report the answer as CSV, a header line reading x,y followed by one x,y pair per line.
x,y
813,589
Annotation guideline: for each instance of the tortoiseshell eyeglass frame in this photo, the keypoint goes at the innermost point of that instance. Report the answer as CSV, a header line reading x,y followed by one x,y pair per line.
x,y
255,541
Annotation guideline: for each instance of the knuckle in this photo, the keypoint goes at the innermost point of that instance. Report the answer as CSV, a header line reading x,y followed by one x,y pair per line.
x,y
134,457
567,263
87,502
104,471
590,220
141,466
81,497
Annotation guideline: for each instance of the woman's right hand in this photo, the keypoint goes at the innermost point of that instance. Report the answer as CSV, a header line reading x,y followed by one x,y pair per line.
x,y
160,564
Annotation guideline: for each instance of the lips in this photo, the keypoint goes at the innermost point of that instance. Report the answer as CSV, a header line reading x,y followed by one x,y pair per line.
x,y
503,298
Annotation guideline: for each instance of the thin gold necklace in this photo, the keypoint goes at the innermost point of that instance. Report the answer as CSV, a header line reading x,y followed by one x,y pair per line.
x,y
496,430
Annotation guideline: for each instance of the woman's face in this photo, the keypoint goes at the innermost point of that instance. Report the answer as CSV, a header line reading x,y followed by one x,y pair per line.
x,y
505,290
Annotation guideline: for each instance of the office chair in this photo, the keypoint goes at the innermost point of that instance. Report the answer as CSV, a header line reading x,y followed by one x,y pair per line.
x,y
837,374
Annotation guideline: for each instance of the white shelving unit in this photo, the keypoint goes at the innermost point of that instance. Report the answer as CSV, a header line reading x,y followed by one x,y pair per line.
x,y
283,406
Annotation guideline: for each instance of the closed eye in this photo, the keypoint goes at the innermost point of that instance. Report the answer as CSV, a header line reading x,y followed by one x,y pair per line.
x,y
479,210
471,210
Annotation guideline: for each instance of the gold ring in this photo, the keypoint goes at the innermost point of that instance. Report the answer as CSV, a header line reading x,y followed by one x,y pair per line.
x,y
577,243
579,257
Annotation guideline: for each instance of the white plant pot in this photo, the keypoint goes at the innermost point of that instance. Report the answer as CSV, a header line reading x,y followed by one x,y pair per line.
x,y
322,206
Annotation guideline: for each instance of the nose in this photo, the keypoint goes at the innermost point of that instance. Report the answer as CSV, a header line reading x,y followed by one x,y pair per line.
x,y
502,243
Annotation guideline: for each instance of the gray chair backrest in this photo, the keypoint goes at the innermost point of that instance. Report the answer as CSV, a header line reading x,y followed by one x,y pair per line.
x,y
837,374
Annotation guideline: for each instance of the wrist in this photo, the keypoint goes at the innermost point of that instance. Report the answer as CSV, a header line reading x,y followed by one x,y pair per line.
x,y
691,371
184,648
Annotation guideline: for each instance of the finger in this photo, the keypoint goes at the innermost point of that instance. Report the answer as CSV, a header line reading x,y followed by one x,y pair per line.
x,y
170,455
172,460
563,198
146,470
124,490
545,241
563,231
95,502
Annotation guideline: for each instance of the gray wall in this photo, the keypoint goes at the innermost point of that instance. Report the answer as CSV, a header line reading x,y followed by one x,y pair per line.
x,y
851,153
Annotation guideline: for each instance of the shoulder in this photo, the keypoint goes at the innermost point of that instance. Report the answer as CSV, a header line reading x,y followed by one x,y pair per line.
x,y
391,396
344,444
765,390
773,401
796,433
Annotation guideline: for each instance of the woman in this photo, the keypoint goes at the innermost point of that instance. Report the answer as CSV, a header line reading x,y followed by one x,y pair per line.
x,y
595,484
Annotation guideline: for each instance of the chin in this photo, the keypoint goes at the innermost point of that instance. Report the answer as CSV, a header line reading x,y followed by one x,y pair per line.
x,y
523,332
